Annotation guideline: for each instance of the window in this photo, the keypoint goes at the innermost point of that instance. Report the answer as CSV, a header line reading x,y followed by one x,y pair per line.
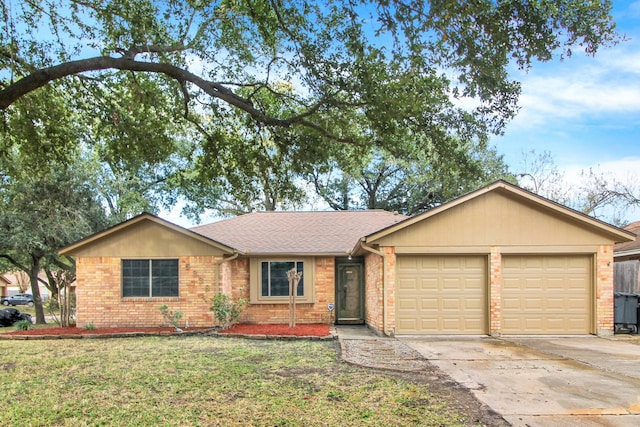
x,y
274,281
150,278
268,281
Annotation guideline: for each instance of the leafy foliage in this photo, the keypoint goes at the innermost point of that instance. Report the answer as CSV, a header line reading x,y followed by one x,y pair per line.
x,y
225,311
43,208
22,325
408,185
173,317
262,87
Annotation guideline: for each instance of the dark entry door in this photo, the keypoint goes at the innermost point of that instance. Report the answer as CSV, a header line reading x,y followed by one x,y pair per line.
x,y
349,292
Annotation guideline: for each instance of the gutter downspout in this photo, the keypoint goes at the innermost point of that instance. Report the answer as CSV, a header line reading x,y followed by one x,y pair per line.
x,y
364,246
218,264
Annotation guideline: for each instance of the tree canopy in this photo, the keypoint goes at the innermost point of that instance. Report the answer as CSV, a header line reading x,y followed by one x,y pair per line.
x,y
124,105
399,64
408,185
41,211
231,102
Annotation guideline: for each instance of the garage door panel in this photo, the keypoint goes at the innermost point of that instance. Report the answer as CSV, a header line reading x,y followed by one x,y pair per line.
x,y
511,303
452,295
426,284
429,305
410,284
407,324
546,294
452,304
407,304
453,284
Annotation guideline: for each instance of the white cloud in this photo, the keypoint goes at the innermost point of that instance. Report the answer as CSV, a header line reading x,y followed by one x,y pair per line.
x,y
582,88
624,169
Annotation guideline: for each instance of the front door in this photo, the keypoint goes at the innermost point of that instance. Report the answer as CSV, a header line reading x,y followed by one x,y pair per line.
x,y
349,292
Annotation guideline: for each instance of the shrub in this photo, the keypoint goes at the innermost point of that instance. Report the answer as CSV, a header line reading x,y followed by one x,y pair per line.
x,y
22,325
173,317
90,327
225,311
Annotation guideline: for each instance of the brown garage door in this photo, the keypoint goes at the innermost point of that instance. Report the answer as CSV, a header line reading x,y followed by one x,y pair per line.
x,y
441,295
546,294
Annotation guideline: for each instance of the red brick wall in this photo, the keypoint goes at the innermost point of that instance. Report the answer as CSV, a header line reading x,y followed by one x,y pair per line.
x,y
373,291
374,298
390,273
495,291
236,278
604,290
99,290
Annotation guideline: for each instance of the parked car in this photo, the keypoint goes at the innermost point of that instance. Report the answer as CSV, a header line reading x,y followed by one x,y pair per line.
x,y
18,299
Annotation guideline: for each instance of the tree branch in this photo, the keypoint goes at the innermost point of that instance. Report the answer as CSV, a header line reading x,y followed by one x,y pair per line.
x,y
16,263
42,77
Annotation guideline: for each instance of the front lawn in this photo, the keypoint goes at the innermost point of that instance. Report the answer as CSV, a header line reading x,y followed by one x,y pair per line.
x,y
205,381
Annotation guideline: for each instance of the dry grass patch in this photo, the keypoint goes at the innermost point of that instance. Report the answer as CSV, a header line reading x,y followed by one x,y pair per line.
x,y
203,381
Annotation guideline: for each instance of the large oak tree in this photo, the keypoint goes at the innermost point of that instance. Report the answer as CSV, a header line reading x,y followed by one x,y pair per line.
x,y
400,64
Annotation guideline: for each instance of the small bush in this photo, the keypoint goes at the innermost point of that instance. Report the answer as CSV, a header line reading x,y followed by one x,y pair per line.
x,y
173,317
90,327
22,325
225,311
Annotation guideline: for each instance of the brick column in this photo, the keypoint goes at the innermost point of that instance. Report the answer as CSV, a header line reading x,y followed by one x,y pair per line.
x,y
390,282
495,292
604,290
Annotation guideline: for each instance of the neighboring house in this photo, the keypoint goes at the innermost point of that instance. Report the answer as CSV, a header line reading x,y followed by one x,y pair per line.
x,y
497,261
4,286
20,284
627,263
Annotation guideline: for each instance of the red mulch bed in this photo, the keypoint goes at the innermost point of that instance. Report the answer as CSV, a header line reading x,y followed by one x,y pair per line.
x,y
302,330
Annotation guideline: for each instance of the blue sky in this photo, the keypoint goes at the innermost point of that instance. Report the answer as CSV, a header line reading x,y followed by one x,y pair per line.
x,y
584,110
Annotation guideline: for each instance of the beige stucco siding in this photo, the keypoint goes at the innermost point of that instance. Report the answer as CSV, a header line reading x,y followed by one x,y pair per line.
x,y
494,219
146,239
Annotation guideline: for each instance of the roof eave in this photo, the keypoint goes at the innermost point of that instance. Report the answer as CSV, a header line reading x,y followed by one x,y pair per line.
x,y
630,252
70,249
248,253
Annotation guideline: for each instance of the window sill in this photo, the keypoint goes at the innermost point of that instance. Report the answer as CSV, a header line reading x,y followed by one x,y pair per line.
x,y
280,301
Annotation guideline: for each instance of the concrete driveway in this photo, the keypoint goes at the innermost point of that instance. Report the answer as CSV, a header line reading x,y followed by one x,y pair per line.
x,y
559,381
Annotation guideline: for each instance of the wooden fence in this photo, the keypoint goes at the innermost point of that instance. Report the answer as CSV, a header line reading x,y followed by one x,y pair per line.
x,y
625,277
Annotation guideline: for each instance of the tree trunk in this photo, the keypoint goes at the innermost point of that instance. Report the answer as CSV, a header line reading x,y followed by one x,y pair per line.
x,y
35,289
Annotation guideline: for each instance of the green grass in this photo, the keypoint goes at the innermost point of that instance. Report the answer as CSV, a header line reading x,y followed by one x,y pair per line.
x,y
204,381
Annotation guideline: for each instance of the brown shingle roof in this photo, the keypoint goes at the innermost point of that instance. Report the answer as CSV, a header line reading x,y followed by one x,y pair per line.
x,y
334,232
634,227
